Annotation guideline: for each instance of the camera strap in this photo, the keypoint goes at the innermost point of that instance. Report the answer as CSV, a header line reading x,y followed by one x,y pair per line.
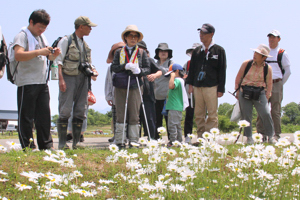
x,y
84,50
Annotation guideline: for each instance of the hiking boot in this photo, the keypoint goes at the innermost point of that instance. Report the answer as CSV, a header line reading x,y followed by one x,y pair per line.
x,y
250,140
69,137
121,146
111,139
81,138
78,146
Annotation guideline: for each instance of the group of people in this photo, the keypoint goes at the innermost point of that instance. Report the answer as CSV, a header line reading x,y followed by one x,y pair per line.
x,y
140,90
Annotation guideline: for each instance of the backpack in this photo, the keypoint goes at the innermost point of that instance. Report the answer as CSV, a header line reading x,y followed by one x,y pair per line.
x,y
279,59
54,44
11,64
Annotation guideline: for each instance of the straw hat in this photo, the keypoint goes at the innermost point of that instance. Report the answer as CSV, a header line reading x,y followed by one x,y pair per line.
x,y
263,50
132,28
110,56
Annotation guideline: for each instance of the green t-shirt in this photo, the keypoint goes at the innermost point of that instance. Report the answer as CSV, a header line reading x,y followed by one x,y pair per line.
x,y
175,100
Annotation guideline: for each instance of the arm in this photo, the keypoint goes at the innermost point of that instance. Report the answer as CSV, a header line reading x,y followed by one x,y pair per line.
x,y
22,55
221,73
145,68
239,77
115,66
154,68
63,45
286,65
171,81
108,87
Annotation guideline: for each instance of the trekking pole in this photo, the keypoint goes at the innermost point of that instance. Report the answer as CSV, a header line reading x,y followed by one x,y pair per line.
x,y
143,106
126,103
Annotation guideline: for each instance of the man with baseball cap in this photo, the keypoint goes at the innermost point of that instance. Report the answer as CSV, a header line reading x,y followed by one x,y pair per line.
x,y
280,64
74,63
206,77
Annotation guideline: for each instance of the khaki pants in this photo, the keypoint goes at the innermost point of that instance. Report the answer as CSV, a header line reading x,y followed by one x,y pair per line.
x,y
275,100
206,100
133,105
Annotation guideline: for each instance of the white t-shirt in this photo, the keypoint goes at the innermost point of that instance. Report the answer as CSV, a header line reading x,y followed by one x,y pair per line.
x,y
34,71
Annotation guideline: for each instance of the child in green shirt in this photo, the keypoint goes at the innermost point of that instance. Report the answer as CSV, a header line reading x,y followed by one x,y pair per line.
x,y
177,102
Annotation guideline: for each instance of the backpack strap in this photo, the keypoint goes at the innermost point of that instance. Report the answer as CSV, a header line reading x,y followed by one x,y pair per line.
x,y
279,59
249,64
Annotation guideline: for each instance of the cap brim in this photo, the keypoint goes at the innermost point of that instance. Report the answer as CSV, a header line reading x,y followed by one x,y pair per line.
x,y
92,24
168,73
273,35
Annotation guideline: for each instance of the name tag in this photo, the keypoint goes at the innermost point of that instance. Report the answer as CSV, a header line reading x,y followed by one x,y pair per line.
x,y
215,57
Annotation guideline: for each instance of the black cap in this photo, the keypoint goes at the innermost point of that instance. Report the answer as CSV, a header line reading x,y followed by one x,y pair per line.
x,y
207,28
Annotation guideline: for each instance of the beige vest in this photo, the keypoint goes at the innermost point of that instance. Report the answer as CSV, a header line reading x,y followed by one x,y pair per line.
x,y
72,58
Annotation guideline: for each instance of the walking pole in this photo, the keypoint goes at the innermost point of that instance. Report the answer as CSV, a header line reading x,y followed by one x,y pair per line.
x,y
123,137
143,106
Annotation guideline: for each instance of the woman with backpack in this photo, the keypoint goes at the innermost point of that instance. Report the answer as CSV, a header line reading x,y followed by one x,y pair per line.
x,y
253,84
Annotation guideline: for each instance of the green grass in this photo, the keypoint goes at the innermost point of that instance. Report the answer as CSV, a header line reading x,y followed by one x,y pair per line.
x,y
213,178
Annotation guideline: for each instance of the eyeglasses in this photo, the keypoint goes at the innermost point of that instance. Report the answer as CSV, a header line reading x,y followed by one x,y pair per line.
x,y
130,36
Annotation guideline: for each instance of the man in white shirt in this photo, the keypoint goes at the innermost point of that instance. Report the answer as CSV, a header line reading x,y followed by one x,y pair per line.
x,y
280,76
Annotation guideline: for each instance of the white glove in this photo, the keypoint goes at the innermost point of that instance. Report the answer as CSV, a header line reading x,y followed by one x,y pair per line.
x,y
128,66
136,70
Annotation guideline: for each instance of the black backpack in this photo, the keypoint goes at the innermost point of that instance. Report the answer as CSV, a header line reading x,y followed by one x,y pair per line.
x,y
54,44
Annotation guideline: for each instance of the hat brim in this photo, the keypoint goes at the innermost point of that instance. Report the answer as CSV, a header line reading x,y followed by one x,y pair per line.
x,y
273,35
92,24
258,51
170,54
110,56
129,30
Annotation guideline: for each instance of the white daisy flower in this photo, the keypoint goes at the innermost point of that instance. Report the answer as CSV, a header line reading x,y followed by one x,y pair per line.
x,y
114,148
243,123
161,129
22,187
13,145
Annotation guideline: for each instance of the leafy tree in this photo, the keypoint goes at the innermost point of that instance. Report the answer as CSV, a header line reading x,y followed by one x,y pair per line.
x,y
54,119
224,108
225,125
291,111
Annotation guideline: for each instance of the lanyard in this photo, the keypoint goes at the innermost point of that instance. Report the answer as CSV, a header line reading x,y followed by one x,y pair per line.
x,y
127,58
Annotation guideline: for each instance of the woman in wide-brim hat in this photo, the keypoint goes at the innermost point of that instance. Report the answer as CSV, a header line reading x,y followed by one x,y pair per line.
x,y
163,54
129,62
253,84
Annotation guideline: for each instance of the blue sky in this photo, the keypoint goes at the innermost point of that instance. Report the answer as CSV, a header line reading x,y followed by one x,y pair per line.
x,y
240,25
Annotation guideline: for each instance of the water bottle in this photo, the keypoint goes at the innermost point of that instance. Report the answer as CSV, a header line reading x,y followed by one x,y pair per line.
x,y
54,71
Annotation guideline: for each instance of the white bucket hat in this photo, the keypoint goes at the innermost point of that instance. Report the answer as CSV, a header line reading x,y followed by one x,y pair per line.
x,y
263,50
132,28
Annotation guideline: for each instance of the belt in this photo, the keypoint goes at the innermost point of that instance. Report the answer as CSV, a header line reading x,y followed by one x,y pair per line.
x,y
277,80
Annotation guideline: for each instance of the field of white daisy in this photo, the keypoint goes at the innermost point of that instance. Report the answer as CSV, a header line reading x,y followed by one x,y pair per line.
x,y
216,169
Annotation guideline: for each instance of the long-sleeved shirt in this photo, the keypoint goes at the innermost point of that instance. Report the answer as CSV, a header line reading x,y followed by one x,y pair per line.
x,y
213,63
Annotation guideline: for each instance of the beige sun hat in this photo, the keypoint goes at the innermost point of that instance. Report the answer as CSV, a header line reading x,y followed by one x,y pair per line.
x,y
83,20
132,28
263,50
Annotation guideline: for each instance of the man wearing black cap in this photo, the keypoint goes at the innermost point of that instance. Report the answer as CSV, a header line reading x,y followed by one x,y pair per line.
x,y
73,81
280,64
207,79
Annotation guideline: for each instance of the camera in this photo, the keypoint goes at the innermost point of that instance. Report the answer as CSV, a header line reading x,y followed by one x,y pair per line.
x,y
51,50
87,69
201,76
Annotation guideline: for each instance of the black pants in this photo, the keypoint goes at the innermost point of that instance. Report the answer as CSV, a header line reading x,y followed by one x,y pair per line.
x,y
159,105
33,106
151,116
188,122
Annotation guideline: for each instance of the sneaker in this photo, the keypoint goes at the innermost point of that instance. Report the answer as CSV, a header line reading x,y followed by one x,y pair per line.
x,y
187,139
111,139
69,137
121,146
250,140
170,144
272,140
81,138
